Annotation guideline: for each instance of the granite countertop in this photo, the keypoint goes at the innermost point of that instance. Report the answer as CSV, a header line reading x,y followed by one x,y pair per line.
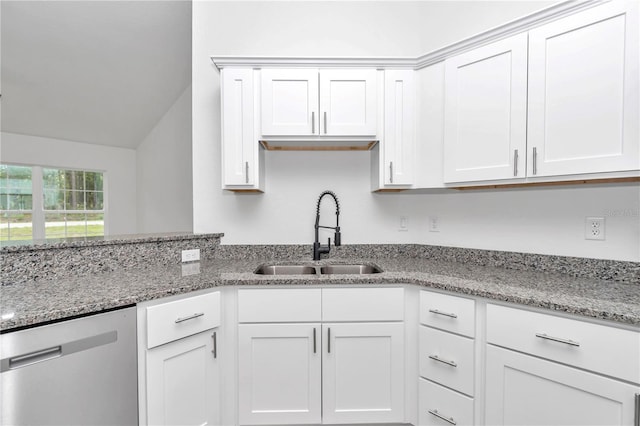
x,y
41,301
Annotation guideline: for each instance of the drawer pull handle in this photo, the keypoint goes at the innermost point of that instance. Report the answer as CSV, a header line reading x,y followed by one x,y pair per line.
x,y
446,314
636,418
449,420
190,317
557,339
444,361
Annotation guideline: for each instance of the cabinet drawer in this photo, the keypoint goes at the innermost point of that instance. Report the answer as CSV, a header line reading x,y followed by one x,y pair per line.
x,y
607,350
363,304
279,305
175,320
450,313
436,401
447,359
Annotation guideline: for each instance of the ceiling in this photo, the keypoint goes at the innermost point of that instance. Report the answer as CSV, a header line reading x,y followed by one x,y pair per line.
x,y
100,72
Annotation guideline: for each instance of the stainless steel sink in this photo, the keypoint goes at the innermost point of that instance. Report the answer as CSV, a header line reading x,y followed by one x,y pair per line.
x,y
285,270
356,269
350,269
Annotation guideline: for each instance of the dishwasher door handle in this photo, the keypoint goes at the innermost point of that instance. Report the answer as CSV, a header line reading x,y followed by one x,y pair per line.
x,y
30,358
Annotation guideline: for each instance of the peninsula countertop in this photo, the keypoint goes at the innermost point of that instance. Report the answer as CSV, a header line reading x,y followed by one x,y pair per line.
x,y
32,303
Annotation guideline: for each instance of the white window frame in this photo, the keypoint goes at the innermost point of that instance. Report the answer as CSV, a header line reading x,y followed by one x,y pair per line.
x,y
37,199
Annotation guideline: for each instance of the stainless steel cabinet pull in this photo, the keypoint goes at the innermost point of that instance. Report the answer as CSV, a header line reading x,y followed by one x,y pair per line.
x,y
314,340
535,160
636,417
325,122
444,361
190,317
390,171
446,314
515,162
246,172
557,339
214,336
440,416
328,340
313,122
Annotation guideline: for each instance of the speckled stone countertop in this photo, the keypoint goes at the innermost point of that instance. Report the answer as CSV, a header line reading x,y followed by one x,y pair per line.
x,y
48,300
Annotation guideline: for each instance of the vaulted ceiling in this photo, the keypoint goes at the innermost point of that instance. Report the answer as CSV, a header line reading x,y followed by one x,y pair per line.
x,y
101,72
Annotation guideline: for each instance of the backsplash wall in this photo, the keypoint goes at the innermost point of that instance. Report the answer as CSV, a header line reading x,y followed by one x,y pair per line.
x,y
534,220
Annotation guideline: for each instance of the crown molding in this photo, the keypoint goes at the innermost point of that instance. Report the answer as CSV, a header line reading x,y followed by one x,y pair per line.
x,y
516,26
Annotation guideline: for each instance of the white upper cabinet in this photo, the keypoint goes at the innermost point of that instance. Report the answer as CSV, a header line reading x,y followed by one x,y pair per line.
x,y
348,102
486,112
329,102
583,93
240,149
399,127
289,102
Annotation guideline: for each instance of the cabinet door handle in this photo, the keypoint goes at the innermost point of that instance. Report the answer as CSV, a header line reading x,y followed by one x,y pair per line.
x,y
557,339
328,340
325,122
515,162
636,417
444,361
390,171
314,340
190,317
246,172
449,420
535,160
214,336
446,314
313,122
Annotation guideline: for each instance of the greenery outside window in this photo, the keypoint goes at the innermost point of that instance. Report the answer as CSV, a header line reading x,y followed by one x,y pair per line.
x,y
43,202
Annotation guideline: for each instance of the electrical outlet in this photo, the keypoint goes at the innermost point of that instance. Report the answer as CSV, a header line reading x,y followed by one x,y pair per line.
x,y
404,223
190,255
190,269
594,228
434,224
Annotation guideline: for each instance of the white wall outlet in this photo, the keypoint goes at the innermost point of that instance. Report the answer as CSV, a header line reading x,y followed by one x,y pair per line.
x,y
404,223
190,269
191,255
594,228
434,224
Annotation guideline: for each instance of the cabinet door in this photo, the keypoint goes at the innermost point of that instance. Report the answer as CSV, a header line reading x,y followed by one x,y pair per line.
x,y
583,92
363,373
523,390
348,102
183,382
399,127
486,112
279,373
290,102
239,144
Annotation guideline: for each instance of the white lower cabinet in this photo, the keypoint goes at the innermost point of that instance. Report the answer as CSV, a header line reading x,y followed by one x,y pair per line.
x,y
179,365
442,406
182,382
524,390
280,374
320,372
363,373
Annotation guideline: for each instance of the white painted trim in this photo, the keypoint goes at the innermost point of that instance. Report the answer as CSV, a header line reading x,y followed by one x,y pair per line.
x,y
502,31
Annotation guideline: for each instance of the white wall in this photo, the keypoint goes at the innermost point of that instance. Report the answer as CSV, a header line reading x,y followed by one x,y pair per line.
x,y
118,164
164,174
548,221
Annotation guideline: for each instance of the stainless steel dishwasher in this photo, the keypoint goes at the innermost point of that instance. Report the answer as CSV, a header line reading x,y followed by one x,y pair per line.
x,y
77,372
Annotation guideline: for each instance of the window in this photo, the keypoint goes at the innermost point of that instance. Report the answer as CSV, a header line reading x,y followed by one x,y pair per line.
x,y
71,203
16,200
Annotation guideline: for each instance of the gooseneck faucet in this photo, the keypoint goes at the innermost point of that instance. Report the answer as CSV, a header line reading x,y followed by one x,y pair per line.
x,y
317,248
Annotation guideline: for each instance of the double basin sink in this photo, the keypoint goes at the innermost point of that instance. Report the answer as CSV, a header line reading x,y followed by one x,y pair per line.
x,y
359,269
